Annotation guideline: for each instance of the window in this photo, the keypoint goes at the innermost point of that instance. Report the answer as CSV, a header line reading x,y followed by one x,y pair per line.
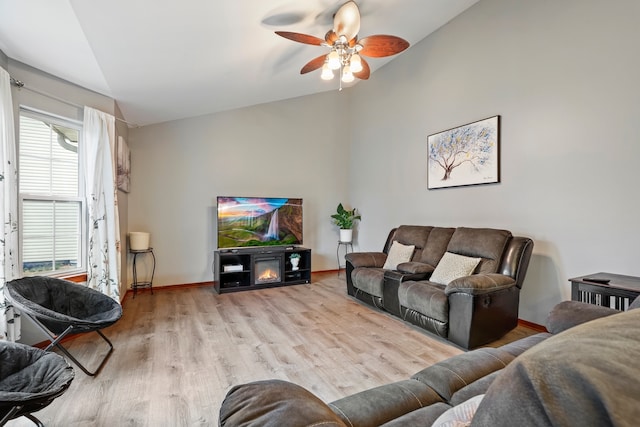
x,y
51,203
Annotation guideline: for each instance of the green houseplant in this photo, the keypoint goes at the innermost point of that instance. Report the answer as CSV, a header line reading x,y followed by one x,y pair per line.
x,y
345,219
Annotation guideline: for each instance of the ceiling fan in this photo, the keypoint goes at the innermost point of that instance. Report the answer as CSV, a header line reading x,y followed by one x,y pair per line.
x,y
346,49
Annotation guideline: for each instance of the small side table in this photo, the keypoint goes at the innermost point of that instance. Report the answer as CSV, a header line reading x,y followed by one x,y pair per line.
x,y
347,246
142,284
605,289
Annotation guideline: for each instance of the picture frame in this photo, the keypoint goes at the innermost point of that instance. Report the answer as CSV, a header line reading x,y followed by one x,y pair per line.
x,y
123,165
464,155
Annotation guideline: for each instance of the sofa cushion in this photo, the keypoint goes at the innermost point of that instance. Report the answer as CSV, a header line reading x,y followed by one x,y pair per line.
x,y
453,374
398,253
453,266
415,235
586,375
516,348
426,298
369,280
269,403
479,386
420,417
486,243
382,404
436,245
568,314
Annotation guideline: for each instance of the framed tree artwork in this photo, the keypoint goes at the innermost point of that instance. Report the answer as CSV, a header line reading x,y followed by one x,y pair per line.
x,y
465,155
123,165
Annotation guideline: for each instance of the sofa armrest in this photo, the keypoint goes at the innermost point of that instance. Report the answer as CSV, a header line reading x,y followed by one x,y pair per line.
x,y
415,268
366,259
274,403
568,314
480,284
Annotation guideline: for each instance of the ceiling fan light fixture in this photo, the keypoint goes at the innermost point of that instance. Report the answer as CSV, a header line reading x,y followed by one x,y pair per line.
x,y
333,59
356,63
347,75
327,74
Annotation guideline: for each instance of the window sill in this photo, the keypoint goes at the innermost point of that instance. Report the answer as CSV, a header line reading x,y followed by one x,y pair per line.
x,y
75,278
72,276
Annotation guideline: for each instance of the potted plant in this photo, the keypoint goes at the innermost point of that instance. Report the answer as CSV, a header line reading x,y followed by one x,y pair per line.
x,y
345,219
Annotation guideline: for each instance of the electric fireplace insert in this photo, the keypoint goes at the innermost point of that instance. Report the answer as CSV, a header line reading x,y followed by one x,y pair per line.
x,y
267,269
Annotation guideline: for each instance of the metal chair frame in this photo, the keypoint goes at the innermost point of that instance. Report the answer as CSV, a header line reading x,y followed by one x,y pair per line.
x,y
56,342
14,411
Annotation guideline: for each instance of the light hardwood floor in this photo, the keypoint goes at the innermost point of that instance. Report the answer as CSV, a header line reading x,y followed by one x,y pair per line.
x,y
178,352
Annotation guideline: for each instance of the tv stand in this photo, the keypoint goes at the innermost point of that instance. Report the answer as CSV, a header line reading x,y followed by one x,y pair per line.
x,y
244,269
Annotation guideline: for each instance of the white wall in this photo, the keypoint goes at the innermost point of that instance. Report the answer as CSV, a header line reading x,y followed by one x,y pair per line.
x,y
564,77
293,148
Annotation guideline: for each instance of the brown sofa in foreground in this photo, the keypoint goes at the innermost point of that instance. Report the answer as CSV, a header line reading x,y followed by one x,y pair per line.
x,y
470,311
585,374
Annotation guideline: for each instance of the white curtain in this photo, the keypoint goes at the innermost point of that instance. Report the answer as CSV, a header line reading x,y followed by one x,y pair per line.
x,y
9,318
103,252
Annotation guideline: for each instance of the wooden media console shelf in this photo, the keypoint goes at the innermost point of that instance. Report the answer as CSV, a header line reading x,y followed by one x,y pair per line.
x,y
244,269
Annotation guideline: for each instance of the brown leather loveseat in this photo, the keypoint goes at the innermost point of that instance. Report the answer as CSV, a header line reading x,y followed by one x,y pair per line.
x,y
478,306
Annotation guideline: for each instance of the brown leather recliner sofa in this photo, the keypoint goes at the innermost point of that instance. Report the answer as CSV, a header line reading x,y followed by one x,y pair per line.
x,y
469,311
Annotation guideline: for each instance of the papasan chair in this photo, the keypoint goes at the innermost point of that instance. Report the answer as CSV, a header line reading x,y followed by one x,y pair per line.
x,y
62,308
30,378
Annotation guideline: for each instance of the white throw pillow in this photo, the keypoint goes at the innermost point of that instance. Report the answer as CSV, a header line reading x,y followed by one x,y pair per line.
x,y
453,266
398,254
460,415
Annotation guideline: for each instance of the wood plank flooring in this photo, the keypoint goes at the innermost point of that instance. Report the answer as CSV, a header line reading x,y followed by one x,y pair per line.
x,y
178,352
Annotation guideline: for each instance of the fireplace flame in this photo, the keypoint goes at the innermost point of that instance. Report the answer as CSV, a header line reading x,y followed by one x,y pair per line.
x,y
268,274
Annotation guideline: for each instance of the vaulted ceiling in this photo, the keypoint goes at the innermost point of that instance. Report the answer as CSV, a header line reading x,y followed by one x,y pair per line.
x,y
165,59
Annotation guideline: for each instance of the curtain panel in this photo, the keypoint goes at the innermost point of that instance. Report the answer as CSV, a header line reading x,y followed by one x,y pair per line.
x,y
103,251
9,318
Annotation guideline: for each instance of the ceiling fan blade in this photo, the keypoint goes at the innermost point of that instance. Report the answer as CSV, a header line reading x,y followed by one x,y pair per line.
x,y
314,64
365,72
347,20
331,37
301,38
382,45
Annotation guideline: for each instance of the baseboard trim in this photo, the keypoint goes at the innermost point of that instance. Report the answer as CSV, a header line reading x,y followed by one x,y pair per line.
x,y
166,288
199,284
531,325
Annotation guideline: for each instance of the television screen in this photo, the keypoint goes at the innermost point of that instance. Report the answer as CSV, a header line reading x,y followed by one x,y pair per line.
x,y
259,221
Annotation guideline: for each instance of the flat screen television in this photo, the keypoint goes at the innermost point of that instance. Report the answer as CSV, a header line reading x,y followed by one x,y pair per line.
x,y
258,221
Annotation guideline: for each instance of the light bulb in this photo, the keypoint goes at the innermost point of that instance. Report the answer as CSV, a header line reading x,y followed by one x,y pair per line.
x,y
356,63
334,60
327,74
347,75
